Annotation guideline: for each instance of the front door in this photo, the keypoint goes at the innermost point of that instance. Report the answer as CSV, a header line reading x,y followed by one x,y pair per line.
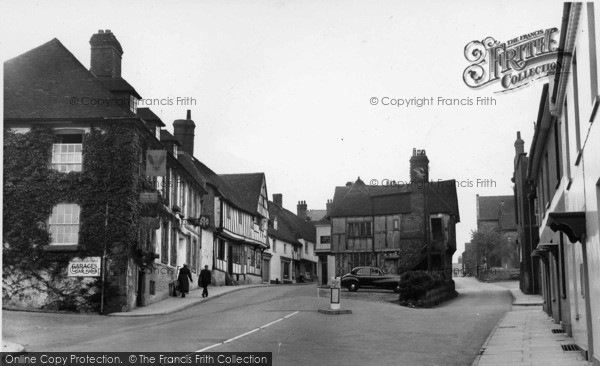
x,y
141,288
266,270
324,273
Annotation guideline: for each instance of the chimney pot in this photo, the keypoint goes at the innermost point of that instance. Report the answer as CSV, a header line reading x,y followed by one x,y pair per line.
x,y
519,144
184,132
278,199
106,55
100,31
301,210
419,166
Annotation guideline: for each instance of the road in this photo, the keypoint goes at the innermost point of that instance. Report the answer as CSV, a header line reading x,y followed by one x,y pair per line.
x,y
284,320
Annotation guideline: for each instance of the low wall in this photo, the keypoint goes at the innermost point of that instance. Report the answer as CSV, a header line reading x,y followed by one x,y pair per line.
x,y
440,294
432,296
499,274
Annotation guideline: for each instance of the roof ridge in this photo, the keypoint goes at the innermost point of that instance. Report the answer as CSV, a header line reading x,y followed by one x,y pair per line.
x,y
55,40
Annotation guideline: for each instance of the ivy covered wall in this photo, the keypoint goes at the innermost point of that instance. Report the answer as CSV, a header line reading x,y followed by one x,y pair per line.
x,y
34,276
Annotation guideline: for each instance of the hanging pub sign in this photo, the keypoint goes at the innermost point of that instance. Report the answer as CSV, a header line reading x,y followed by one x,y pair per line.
x,y
156,163
515,63
204,221
84,267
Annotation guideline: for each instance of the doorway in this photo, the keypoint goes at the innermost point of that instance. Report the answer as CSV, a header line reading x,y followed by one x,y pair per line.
x,y
141,288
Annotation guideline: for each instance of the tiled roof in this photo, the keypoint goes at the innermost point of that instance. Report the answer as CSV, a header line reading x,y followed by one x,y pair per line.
x,y
282,232
290,224
168,136
219,184
315,215
188,163
147,115
325,220
489,207
247,187
49,82
362,200
118,84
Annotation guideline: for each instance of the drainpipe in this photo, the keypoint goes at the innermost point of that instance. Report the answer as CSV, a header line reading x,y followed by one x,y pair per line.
x,y
104,255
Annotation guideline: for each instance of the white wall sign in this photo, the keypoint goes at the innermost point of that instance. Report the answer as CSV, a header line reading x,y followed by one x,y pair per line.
x,y
85,267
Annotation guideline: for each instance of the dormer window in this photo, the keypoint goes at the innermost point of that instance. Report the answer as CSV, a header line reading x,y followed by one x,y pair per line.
x,y
275,223
133,103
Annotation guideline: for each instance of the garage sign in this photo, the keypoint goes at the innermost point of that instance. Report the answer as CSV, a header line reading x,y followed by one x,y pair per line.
x,y
85,267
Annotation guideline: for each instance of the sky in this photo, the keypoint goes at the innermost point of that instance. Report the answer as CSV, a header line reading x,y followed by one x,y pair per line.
x,y
288,87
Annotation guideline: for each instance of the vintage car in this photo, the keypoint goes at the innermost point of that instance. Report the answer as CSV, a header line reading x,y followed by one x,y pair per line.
x,y
370,277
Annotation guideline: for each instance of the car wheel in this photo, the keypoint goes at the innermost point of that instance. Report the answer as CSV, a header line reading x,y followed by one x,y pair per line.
x,y
353,286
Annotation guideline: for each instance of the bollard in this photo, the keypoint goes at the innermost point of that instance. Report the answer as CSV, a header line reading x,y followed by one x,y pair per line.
x,y
336,286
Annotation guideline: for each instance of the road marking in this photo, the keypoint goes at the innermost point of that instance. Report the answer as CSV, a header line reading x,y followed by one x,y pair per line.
x,y
250,332
287,316
271,323
209,347
241,335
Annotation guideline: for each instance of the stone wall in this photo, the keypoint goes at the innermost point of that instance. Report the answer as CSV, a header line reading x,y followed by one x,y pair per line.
x,y
49,291
499,274
163,276
440,294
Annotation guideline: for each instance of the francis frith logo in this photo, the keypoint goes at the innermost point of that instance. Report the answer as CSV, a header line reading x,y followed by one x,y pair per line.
x,y
514,63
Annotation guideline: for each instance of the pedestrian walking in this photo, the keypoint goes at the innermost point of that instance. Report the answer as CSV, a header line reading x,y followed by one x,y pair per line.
x,y
184,284
204,280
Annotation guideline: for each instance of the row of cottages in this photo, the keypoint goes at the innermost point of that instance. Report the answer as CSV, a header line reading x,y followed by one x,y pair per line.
x,y
234,233
497,213
292,249
89,175
527,229
563,170
396,227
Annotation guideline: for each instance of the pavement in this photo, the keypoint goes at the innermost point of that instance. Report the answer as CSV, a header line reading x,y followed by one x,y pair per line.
x,y
523,336
174,304
11,348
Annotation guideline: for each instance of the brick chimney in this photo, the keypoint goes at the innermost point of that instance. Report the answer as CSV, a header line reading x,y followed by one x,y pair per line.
x,y
302,209
106,55
519,145
328,206
184,132
419,166
278,199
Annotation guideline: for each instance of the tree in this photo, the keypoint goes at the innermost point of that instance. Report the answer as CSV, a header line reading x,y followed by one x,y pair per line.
x,y
490,246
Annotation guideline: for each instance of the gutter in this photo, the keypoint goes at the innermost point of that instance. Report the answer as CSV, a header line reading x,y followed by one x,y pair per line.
x,y
534,159
561,49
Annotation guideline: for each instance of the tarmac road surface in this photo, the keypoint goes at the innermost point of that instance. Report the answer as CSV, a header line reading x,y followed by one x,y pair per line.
x,y
284,320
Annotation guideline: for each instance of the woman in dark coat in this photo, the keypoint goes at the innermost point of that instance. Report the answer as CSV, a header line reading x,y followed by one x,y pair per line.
x,y
184,284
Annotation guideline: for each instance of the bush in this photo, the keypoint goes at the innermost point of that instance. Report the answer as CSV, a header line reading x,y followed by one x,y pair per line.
x,y
414,284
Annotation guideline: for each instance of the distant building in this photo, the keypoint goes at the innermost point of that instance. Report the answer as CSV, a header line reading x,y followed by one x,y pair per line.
x,y
498,213
326,265
396,227
527,232
292,249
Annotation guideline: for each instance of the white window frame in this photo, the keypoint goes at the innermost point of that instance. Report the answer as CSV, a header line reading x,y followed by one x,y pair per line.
x,y
64,216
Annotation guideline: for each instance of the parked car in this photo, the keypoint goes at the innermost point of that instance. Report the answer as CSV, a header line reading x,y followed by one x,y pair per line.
x,y
370,277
